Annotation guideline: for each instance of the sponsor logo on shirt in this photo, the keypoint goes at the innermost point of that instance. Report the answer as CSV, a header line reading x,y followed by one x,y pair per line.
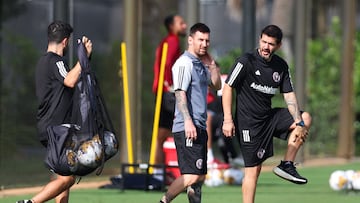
x,y
263,88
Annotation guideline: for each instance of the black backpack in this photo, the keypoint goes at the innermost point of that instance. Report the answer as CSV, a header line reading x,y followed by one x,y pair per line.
x,y
82,146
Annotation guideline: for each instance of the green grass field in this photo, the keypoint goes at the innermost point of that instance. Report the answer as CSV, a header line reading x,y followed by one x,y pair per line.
x,y
271,189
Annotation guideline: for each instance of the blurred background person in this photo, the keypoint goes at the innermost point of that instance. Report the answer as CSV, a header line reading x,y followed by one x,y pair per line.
x,y
176,28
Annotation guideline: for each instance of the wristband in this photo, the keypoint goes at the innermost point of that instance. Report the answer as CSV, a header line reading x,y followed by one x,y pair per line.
x,y
301,124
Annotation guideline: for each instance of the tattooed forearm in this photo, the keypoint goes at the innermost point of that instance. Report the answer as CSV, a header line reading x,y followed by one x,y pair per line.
x,y
293,106
181,103
293,109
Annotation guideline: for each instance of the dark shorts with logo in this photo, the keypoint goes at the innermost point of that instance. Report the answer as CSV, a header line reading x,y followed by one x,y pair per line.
x,y
256,138
167,110
192,156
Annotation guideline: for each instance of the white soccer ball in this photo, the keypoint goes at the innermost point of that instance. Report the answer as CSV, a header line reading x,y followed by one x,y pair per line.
x,y
90,152
349,176
233,176
338,180
110,144
355,181
214,178
72,160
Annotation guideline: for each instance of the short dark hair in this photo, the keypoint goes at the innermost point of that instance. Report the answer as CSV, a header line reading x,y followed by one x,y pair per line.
x,y
168,21
58,30
273,31
201,27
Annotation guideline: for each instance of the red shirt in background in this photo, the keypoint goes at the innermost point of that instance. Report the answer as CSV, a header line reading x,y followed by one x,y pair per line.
x,y
173,53
210,97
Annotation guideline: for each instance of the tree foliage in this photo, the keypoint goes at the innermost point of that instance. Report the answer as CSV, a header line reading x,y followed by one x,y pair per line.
x,y
18,108
323,90
324,66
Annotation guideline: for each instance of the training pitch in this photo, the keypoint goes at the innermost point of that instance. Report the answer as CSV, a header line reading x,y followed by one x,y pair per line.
x,y
271,189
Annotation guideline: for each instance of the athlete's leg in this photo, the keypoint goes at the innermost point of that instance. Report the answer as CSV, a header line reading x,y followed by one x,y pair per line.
x,y
163,133
179,185
286,169
249,183
210,155
63,197
194,192
295,143
165,125
56,187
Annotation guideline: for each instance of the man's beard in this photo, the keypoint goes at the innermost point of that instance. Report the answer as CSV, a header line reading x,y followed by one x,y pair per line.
x,y
268,57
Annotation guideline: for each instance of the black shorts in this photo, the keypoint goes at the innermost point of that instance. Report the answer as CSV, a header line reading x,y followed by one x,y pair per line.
x,y
256,139
192,158
167,110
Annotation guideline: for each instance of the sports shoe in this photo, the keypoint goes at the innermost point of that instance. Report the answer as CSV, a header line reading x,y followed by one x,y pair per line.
x,y
287,171
24,201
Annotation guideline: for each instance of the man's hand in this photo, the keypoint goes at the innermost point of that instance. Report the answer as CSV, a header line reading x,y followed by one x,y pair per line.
x,y
207,59
228,128
214,70
190,129
299,134
88,45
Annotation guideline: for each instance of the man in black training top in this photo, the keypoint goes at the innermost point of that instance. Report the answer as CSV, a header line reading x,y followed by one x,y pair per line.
x,y
54,83
256,77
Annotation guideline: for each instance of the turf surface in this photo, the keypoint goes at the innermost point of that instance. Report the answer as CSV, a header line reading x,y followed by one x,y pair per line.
x,y
271,189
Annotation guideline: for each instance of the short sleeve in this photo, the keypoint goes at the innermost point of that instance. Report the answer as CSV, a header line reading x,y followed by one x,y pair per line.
x,y
60,70
237,72
181,72
286,85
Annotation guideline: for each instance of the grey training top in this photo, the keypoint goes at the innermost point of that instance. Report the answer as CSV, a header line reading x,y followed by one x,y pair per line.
x,y
191,76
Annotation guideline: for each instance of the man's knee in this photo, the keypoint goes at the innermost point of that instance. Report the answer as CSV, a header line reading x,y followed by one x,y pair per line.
x,y
190,179
252,173
307,119
66,181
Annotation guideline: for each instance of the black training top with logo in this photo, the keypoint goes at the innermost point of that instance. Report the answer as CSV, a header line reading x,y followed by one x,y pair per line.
x,y
256,81
54,98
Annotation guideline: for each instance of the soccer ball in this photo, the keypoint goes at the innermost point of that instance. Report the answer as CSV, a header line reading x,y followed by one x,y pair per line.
x,y
90,152
214,178
110,144
338,180
349,176
233,176
355,181
72,159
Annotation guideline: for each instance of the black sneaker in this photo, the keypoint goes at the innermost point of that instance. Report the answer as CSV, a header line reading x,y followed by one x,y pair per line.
x,y
287,171
24,201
